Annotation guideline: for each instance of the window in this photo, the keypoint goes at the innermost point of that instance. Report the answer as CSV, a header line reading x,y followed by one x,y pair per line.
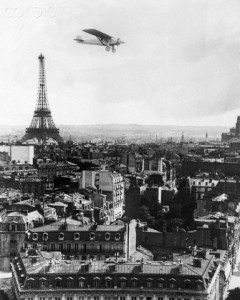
x,y
160,298
187,284
172,285
42,284
30,298
57,298
92,236
13,227
96,298
160,284
108,283
81,283
30,284
69,283
134,298
80,298
186,298
134,283
96,283
76,236
199,286
122,298
107,236
107,298
123,284
76,247
42,298
61,236
149,283
171,298
68,247
117,236
35,236
45,236
58,283
52,247
69,298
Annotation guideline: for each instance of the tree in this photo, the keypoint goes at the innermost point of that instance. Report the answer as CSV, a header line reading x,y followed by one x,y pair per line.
x,y
144,213
234,294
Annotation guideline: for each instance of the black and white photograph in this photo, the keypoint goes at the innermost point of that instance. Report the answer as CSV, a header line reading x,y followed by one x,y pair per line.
x,y
120,150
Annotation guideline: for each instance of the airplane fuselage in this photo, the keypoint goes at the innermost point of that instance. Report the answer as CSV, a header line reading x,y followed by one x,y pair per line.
x,y
97,41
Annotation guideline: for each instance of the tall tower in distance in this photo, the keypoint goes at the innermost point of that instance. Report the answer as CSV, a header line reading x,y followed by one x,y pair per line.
x,y
42,125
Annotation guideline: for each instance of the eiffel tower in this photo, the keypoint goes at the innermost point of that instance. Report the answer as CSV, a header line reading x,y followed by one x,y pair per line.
x,y
42,126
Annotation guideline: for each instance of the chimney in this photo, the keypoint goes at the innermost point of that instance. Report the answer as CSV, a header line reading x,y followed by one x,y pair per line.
x,y
141,266
180,266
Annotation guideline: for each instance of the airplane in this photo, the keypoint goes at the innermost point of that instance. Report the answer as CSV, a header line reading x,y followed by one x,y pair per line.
x,y
102,40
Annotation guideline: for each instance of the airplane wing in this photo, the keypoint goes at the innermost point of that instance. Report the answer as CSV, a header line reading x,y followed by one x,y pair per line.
x,y
98,34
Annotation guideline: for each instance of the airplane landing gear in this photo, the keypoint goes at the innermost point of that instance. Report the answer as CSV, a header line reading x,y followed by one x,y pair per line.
x,y
108,48
113,50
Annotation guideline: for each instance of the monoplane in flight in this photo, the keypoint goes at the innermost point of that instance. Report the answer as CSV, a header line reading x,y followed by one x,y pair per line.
x,y
101,39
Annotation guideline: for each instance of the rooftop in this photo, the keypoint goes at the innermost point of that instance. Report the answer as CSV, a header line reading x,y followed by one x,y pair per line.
x,y
51,262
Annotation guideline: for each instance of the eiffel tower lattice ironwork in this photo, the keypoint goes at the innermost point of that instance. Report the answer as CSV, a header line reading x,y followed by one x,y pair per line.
x,y
42,125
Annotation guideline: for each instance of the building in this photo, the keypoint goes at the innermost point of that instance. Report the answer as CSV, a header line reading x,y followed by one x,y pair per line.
x,y
15,167
200,187
21,153
133,201
233,133
94,241
13,227
46,276
112,184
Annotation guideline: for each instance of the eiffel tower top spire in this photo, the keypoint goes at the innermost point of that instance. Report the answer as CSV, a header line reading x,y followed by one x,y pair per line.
x,y
42,125
42,102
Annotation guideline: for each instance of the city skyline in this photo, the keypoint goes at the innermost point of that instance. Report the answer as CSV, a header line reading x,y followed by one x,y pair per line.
x,y
179,66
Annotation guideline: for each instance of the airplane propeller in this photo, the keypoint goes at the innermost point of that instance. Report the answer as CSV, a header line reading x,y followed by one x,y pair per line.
x,y
119,42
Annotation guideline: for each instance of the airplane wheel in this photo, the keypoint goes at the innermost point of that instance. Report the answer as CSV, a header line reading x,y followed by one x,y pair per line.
x,y
108,48
113,50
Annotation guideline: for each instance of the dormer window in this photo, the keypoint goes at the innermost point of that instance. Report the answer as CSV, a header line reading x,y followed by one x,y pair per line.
x,y
81,282
107,236
187,283
149,282
35,236
96,281
70,282
134,282
92,236
30,283
76,236
42,282
160,283
123,282
61,236
45,236
108,282
117,236
13,227
172,283
58,282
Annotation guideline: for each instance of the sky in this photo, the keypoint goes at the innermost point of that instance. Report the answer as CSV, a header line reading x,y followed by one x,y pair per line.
x,y
180,64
